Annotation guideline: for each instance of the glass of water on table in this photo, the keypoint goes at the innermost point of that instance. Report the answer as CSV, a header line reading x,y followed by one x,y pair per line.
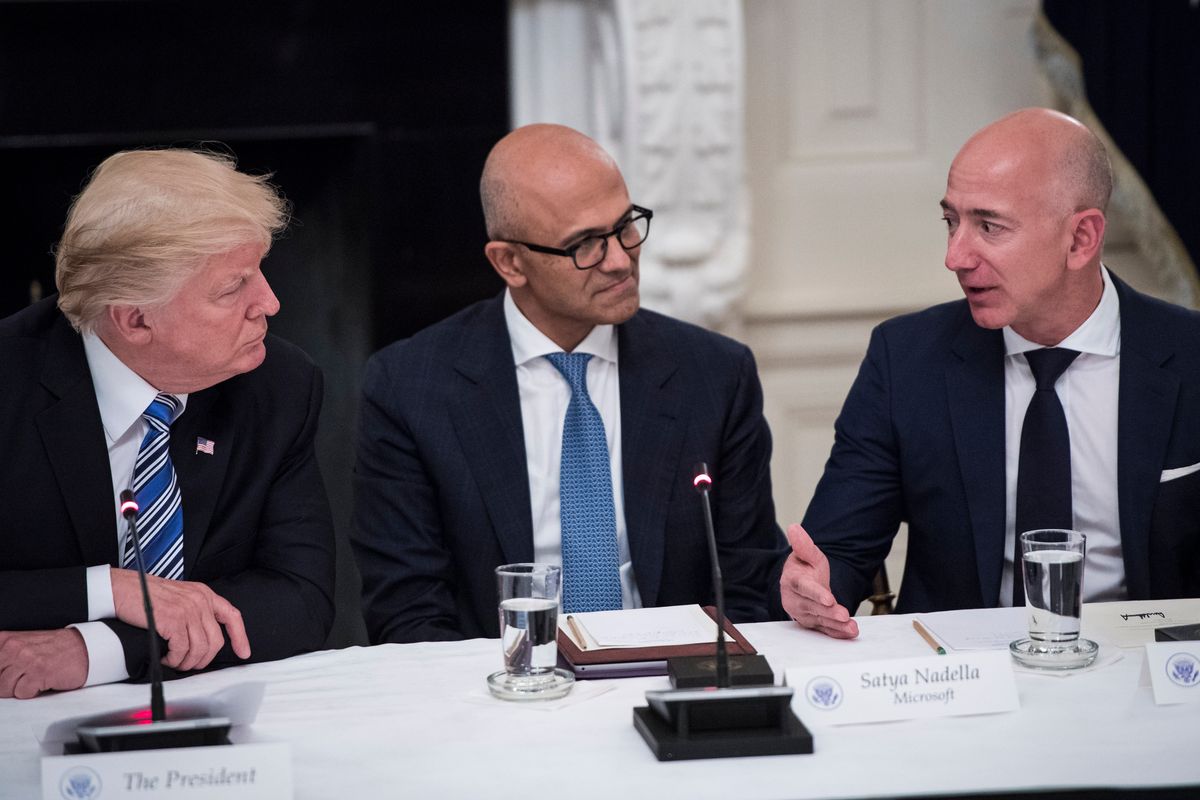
x,y
1052,568
529,596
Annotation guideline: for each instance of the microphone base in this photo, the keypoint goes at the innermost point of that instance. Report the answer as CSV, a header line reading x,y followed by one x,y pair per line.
x,y
695,672
116,738
721,723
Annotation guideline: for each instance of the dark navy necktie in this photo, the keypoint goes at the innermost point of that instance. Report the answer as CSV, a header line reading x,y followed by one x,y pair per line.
x,y
591,562
1044,468
160,519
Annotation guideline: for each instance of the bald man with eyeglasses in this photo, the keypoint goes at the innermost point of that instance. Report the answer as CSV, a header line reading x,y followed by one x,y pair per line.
x,y
559,423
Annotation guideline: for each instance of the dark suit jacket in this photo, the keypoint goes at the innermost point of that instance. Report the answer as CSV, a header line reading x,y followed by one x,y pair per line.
x,y
921,439
257,527
442,488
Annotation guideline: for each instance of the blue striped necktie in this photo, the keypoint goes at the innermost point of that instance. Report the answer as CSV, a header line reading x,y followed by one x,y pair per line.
x,y
591,563
160,519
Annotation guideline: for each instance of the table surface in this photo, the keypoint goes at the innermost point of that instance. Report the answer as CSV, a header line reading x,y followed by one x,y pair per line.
x,y
416,721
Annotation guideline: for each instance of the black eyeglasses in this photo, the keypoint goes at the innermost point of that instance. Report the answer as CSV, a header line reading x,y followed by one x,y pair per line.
x,y
592,250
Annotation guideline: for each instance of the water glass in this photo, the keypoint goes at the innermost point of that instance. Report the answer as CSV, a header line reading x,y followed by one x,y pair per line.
x,y
528,607
1052,569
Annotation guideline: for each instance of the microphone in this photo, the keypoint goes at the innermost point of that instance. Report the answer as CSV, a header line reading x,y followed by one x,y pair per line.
x,y
123,730
721,670
753,719
129,510
702,481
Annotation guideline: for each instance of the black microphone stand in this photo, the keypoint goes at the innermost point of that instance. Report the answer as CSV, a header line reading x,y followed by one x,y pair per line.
x,y
754,719
703,482
158,706
122,731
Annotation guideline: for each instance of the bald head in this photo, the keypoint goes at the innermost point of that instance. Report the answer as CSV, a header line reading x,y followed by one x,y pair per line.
x,y
1049,149
532,165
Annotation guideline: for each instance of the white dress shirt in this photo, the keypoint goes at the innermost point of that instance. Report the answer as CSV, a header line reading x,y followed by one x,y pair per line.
x,y
122,395
545,395
1088,393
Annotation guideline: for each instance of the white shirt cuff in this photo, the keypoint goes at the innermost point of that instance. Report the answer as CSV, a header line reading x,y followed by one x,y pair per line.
x,y
100,594
106,657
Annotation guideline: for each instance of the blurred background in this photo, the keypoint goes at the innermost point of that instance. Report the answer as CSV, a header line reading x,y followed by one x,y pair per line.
x,y
794,152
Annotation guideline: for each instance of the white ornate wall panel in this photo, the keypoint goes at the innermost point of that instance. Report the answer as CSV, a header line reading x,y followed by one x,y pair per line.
x,y
856,69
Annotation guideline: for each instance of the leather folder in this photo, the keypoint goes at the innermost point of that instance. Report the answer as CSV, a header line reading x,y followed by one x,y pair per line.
x,y
629,661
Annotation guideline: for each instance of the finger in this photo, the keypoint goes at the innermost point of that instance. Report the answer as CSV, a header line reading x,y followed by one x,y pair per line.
x,y
848,630
235,626
8,677
198,639
214,639
176,651
839,629
832,614
27,686
798,538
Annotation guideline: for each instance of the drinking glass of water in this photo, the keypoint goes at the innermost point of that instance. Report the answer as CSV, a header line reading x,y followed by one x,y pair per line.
x,y
1052,568
529,596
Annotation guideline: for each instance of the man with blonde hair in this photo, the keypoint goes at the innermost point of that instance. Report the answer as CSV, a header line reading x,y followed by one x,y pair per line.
x,y
152,370
1052,396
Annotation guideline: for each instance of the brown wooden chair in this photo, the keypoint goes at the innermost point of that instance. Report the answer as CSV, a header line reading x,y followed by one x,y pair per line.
x,y
882,596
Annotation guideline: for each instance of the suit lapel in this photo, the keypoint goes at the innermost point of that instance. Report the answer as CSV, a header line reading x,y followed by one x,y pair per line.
x,y
200,475
487,421
1146,408
73,435
651,434
975,388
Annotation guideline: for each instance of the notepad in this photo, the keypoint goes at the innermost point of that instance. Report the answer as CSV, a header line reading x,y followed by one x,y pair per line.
x,y
967,629
642,627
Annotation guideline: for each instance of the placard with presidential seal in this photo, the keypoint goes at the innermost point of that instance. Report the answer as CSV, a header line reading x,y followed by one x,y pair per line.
x,y
1174,671
904,688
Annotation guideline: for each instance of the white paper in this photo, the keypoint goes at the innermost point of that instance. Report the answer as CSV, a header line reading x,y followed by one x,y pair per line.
x,y
642,627
903,688
1132,623
969,630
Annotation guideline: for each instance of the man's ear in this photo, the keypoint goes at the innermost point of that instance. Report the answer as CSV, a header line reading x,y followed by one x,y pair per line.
x,y
507,263
1087,238
129,323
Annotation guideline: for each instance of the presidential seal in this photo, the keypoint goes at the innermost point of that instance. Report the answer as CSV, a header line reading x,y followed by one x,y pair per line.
x,y
1184,670
80,783
823,693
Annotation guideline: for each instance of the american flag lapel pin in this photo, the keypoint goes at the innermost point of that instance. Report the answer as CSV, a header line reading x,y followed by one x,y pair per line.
x,y
205,445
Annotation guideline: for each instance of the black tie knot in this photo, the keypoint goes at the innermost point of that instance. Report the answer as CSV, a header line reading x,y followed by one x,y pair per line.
x,y
1048,364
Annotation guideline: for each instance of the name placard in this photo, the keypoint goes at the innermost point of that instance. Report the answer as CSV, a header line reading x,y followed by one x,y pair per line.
x,y
904,688
1174,671
229,771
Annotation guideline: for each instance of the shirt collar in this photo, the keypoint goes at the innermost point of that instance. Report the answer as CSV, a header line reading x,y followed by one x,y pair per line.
x,y
529,343
1100,333
121,393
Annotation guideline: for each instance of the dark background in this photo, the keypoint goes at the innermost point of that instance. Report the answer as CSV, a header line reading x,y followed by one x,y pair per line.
x,y
1141,68
374,118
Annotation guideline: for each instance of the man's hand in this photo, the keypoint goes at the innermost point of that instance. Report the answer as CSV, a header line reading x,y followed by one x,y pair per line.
x,y
32,662
188,615
804,589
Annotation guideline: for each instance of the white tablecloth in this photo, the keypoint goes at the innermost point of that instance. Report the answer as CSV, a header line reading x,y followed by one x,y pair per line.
x,y
409,721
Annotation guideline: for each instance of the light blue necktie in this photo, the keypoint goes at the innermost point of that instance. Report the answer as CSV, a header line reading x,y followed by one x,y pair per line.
x,y
160,518
591,564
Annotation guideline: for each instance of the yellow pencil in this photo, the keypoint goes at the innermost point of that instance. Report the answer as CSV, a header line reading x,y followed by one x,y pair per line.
x,y
926,635
579,637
